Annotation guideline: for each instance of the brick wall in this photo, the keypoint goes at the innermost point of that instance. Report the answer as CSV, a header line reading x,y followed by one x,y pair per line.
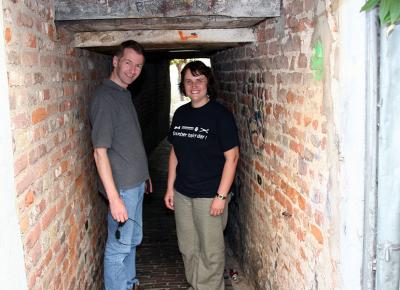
x,y
61,215
284,217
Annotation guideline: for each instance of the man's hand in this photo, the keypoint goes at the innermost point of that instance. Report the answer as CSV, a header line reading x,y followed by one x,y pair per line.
x,y
148,186
118,209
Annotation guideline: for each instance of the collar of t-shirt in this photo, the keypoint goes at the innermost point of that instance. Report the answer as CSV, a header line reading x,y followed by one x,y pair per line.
x,y
110,83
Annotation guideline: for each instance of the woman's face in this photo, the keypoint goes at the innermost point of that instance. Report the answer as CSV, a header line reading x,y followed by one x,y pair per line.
x,y
196,88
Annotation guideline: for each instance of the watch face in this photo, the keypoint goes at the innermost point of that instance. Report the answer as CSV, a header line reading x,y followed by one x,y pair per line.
x,y
219,196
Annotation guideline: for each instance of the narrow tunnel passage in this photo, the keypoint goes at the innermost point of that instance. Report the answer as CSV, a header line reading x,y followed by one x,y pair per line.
x,y
158,259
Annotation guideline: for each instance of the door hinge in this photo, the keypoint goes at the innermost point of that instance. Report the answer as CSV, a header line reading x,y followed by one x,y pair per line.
x,y
388,249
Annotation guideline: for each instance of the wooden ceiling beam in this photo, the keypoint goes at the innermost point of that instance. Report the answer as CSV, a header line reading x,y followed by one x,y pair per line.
x,y
166,39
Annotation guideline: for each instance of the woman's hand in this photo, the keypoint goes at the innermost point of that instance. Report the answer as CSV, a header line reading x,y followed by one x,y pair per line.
x,y
217,207
169,199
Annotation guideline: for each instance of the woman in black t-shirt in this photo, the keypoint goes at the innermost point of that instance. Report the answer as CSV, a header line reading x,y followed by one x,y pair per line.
x,y
202,164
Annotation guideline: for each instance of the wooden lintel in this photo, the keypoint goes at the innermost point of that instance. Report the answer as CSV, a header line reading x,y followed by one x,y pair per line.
x,y
165,37
163,23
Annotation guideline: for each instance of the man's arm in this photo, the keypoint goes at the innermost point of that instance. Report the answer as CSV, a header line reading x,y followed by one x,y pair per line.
x,y
117,206
169,194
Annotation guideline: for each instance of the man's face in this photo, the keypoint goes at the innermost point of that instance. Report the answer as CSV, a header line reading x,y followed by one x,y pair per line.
x,y
127,68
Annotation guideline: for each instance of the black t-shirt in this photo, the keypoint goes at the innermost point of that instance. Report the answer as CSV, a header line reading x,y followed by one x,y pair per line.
x,y
200,136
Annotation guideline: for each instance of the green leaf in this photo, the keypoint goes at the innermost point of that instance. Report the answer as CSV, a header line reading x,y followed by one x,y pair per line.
x,y
395,11
369,5
384,15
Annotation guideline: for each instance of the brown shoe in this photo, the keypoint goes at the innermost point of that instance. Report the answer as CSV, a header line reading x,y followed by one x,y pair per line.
x,y
136,287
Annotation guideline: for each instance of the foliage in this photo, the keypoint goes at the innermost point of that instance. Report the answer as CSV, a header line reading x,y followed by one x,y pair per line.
x,y
178,61
389,10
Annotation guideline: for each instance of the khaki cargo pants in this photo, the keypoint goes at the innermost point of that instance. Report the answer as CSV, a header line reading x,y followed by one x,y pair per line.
x,y
201,241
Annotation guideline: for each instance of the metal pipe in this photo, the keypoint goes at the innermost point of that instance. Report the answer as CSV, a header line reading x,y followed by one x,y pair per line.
x,y
388,221
370,204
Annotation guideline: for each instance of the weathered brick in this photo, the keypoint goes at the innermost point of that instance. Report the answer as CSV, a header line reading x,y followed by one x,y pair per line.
x,y
35,255
296,133
280,198
31,40
303,166
32,280
38,78
23,223
24,181
316,232
315,124
296,147
68,91
48,217
30,58
301,235
39,115
319,218
20,121
33,236
29,198
24,20
15,78
37,153
20,164
61,205
302,61
301,201
8,35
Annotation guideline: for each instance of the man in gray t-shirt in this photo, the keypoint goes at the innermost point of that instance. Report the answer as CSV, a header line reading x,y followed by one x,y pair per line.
x,y
121,164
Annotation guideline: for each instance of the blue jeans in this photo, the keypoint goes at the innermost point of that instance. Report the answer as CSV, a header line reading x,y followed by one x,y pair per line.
x,y
119,255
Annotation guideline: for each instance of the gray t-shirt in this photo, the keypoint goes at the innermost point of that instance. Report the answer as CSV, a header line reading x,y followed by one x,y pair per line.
x,y
115,126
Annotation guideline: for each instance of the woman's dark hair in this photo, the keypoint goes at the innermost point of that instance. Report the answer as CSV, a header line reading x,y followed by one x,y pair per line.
x,y
136,46
198,68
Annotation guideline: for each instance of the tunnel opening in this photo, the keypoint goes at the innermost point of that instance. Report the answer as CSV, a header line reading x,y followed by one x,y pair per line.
x,y
176,65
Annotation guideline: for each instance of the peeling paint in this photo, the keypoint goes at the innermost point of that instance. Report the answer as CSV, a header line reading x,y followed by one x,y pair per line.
x,y
184,37
317,61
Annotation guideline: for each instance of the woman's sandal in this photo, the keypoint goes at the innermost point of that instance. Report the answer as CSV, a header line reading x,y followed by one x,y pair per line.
x,y
234,275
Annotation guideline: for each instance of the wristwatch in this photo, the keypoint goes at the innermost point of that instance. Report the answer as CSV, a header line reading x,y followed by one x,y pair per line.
x,y
219,196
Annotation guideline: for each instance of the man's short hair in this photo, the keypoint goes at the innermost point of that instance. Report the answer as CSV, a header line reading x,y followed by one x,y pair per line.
x,y
136,46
